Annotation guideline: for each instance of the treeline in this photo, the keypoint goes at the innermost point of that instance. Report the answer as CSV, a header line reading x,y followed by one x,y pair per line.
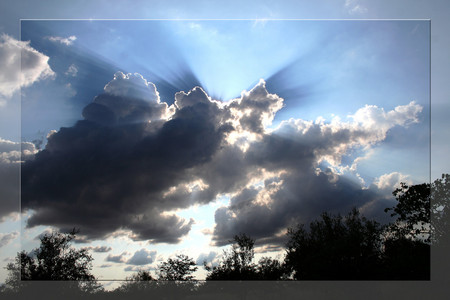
x,y
333,247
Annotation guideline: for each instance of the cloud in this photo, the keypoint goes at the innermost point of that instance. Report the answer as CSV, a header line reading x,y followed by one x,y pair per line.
x,y
292,185
72,70
391,181
212,256
132,269
354,7
119,162
132,86
117,258
6,238
65,41
142,257
127,98
134,160
11,154
99,249
21,66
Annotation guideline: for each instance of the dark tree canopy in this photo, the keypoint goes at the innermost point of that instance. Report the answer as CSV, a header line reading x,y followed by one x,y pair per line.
x,y
140,281
237,264
178,269
422,210
335,248
413,211
55,259
440,211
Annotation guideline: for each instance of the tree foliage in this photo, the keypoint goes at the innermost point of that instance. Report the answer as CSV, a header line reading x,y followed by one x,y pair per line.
x,y
55,259
140,281
413,211
422,210
178,269
237,264
334,248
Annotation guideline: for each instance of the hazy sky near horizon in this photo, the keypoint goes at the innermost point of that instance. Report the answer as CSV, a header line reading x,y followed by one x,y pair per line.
x,y
285,114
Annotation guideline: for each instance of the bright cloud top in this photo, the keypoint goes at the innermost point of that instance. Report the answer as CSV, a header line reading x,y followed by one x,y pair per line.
x,y
134,161
21,66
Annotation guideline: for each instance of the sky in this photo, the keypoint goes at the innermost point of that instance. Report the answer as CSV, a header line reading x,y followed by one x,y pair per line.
x,y
171,135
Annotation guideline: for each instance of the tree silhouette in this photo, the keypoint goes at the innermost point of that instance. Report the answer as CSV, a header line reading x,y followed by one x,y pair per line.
x,y
413,212
335,248
440,210
178,269
138,282
237,263
55,259
422,212
271,269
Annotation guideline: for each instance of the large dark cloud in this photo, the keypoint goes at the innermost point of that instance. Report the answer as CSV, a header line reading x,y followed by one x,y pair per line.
x,y
110,171
134,159
294,187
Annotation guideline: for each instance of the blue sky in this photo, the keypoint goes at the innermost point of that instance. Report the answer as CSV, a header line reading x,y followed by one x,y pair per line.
x,y
336,75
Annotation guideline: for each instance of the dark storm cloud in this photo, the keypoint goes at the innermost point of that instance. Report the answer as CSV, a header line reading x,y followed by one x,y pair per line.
x,y
300,198
134,159
295,190
110,171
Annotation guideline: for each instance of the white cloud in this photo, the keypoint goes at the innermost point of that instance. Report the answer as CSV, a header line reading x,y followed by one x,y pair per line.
x,y
369,126
20,65
66,41
133,86
6,238
11,154
391,181
353,7
70,90
72,71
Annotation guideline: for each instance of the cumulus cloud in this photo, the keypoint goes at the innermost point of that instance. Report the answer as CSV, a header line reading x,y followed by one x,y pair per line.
x,y
121,258
132,86
6,238
302,190
21,66
128,98
11,154
142,257
65,41
391,181
134,160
